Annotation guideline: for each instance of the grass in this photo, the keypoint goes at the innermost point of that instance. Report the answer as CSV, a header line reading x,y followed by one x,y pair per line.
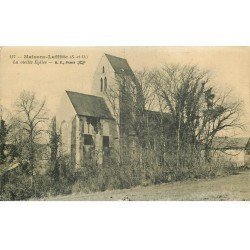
x,y
234,187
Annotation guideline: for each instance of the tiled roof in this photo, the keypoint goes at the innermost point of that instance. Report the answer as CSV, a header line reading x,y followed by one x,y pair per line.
x,y
89,105
229,143
120,65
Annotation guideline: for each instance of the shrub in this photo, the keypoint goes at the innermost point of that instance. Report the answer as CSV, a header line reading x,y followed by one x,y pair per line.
x,y
17,186
112,174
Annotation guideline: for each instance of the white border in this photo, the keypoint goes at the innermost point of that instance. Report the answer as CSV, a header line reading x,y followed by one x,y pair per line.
x,y
117,225
131,23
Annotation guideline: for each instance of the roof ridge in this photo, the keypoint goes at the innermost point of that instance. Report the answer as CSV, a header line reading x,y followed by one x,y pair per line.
x,y
115,56
82,93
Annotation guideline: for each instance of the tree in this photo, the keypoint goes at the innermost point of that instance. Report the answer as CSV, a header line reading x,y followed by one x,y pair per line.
x,y
3,137
128,99
221,114
198,111
189,111
54,145
29,126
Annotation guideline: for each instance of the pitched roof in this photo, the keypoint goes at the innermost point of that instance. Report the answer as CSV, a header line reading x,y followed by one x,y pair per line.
x,y
89,105
230,143
120,65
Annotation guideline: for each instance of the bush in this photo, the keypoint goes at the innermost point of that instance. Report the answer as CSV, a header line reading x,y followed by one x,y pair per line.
x,y
17,186
114,175
93,177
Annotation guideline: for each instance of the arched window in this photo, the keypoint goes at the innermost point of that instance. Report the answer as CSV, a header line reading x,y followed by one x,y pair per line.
x,y
101,85
105,84
103,70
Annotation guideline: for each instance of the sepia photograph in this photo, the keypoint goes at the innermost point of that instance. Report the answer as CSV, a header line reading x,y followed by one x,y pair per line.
x,y
125,123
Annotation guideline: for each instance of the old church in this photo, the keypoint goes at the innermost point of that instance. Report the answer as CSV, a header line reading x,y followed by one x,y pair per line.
x,y
91,125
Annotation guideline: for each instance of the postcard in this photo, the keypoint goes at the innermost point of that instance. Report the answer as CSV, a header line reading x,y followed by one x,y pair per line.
x,y
124,123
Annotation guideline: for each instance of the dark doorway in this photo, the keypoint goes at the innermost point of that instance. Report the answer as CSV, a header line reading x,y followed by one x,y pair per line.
x,y
105,141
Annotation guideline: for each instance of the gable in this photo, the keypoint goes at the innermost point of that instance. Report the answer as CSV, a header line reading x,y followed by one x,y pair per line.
x,y
109,73
64,110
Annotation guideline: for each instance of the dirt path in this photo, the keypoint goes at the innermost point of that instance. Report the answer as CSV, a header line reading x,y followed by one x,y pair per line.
x,y
235,187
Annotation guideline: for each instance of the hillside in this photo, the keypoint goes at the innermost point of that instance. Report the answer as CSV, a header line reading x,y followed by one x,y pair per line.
x,y
234,187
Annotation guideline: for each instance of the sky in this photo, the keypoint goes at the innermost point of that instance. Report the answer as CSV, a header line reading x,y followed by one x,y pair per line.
x,y
229,67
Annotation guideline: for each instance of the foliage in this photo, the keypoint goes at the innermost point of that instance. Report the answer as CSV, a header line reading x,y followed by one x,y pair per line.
x,y
3,137
54,145
28,127
199,112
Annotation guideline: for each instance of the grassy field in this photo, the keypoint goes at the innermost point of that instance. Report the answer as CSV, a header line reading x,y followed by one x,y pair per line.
x,y
234,187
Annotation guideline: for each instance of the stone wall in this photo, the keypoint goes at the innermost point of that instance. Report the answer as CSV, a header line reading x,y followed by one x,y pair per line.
x,y
91,139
